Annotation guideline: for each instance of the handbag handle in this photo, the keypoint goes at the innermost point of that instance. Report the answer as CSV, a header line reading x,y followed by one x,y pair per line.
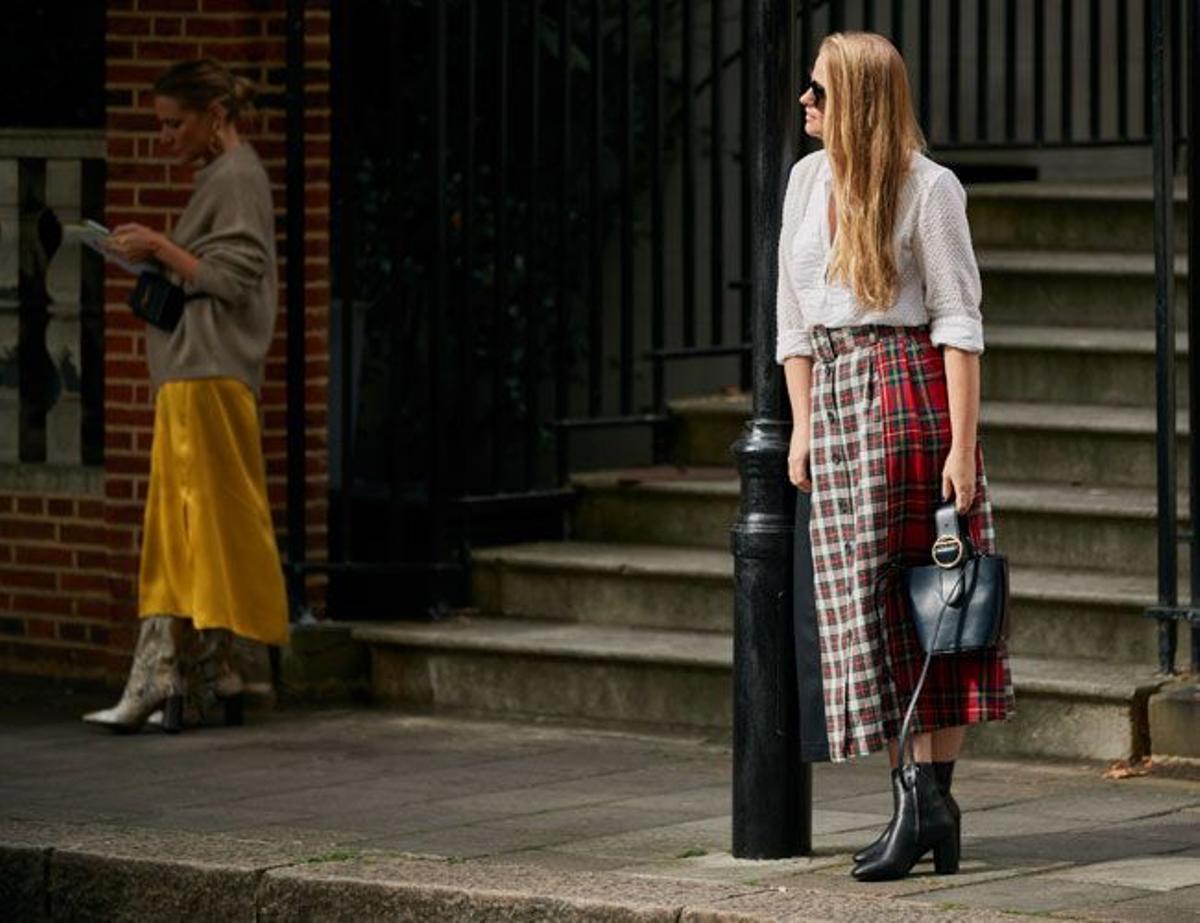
x,y
951,548
906,726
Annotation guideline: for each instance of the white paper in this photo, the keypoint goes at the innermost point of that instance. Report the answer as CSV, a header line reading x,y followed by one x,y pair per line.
x,y
96,236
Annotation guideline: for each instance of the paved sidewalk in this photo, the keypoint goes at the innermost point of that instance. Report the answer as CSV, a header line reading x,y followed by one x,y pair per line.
x,y
338,813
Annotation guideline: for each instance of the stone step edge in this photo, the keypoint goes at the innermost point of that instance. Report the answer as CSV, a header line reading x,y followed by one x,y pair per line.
x,y
1048,416
1103,341
1078,500
570,640
538,557
55,873
1064,190
1073,263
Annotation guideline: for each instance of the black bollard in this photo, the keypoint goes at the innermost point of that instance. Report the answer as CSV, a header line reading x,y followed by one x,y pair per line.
x,y
772,796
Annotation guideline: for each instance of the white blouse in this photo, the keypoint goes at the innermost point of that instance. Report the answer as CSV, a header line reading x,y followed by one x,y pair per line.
x,y
938,277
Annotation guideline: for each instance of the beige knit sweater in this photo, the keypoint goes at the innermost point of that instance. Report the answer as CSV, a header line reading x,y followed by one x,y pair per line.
x,y
229,318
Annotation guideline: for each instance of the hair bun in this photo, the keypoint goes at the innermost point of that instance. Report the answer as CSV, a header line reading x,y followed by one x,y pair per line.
x,y
243,95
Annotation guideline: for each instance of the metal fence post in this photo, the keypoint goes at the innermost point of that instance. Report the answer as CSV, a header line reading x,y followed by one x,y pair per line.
x,y
1164,324
296,539
771,787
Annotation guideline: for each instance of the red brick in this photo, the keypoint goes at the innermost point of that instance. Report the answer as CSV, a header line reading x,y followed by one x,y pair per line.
x,y
226,26
154,197
92,608
26,528
91,509
169,6
40,628
253,50
57,506
136,173
115,439
167,51
34,505
168,25
129,74
82,535
127,25
54,604
85,583
91,560
43,556
28,579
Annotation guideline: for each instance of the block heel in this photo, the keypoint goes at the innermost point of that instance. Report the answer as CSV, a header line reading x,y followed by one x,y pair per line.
x,y
948,852
235,710
172,714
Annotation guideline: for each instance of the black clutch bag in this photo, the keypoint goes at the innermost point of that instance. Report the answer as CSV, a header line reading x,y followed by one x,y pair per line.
x,y
959,603
157,301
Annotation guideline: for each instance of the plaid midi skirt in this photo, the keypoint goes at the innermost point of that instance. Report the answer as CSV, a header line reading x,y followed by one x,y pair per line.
x,y
880,436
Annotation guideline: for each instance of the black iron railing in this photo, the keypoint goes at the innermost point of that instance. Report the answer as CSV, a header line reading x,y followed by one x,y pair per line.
x,y
1003,74
1164,32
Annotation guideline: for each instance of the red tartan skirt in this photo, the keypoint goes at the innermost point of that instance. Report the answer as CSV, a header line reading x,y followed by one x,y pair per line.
x,y
880,436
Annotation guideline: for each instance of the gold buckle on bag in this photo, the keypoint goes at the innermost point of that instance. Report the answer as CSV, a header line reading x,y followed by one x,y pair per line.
x,y
948,543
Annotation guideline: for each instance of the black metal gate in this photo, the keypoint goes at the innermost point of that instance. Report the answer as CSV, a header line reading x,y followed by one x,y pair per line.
x,y
541,215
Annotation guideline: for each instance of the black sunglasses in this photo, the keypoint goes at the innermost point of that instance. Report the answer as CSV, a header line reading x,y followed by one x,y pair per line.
x,y
818,91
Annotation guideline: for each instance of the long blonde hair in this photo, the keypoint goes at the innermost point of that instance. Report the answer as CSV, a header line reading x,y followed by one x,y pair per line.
x,y
870,133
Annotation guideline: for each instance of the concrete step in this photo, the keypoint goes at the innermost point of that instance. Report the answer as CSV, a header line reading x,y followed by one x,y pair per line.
x,y
1074,443
1028,441
1066,526
1175,720
678,679
612,583
1108,216
1054,612
1106,529
1075,365
1073,289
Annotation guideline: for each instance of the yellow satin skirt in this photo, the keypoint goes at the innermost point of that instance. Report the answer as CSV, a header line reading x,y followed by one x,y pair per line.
x,y
208,544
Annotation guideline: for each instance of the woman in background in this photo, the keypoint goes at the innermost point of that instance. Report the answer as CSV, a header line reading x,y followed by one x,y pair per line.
x,y
209,560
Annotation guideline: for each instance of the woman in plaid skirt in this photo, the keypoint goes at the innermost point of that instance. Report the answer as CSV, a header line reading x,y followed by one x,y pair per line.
x,y
879,334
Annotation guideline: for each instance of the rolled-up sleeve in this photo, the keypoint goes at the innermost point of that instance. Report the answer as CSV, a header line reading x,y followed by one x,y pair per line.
x,y
943,251
791,332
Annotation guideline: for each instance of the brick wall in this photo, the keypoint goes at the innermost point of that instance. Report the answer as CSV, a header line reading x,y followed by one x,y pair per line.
x,y
68,560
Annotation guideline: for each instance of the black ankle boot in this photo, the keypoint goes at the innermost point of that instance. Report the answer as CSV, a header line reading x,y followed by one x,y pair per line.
x,y
870,853
923,822
944,774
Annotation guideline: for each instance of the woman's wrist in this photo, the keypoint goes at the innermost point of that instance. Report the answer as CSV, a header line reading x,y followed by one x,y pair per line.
x,y
962,448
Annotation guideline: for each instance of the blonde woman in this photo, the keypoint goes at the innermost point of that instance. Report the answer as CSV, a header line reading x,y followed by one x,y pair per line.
x,y
879,334
209,565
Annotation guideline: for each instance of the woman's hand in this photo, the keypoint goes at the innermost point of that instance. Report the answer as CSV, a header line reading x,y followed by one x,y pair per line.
x,y
136,242
958,478
798,451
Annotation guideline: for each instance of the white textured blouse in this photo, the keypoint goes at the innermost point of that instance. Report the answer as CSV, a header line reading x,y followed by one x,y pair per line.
x,y
938,277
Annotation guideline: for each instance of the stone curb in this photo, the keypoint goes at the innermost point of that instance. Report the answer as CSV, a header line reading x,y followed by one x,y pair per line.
x,y
52,872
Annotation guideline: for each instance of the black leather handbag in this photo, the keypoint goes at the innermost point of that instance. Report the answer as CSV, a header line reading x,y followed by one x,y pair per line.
x,y
157,301
959,603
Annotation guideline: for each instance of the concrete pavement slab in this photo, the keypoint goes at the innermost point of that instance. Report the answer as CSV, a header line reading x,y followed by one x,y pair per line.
x,y
1182,906
1040,895
1169,872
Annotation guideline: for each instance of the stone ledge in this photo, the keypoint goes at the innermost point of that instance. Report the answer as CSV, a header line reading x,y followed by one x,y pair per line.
x,y
52,480
1175,720
131,874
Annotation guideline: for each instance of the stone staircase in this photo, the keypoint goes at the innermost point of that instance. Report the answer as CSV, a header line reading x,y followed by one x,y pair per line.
x,y
630,620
